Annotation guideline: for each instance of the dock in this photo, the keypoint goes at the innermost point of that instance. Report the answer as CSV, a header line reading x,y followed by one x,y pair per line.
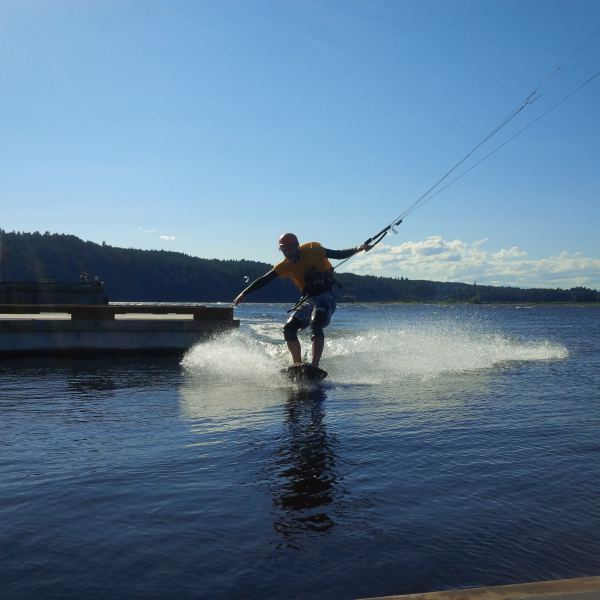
x,y
92,329
583,588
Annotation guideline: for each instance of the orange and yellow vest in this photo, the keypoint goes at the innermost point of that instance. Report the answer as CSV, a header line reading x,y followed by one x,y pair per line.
x,y
312,260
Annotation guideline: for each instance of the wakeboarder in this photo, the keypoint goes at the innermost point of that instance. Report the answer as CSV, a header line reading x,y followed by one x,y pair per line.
x,y
308,267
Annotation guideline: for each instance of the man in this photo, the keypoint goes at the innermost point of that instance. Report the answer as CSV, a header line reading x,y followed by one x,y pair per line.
x,y
307,266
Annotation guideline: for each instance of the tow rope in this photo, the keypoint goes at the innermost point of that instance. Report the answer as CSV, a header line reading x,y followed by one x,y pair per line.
x,y
534,95
434,190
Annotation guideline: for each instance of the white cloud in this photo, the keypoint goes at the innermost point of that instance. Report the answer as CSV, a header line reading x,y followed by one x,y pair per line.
x,y
512,252
162,236
454,260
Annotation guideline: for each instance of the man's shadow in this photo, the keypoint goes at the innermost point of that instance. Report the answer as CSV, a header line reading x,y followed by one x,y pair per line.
x,y
306,475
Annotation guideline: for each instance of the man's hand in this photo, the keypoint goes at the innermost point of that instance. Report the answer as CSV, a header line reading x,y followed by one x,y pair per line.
x,y
238,299
362,247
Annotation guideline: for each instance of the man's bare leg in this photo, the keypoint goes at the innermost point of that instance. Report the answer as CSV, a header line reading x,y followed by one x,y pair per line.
x,y
317,350
296,351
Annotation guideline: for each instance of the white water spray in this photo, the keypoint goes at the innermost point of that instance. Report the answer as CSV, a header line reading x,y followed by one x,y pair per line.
x,y
255,354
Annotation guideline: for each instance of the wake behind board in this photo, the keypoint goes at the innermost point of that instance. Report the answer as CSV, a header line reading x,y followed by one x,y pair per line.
x,y
304,373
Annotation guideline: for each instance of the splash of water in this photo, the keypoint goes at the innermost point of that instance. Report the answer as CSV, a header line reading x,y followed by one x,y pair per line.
x,y
256,354
236,356
426,352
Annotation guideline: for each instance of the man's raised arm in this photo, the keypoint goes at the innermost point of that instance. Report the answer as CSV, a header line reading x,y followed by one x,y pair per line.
x,y
345,253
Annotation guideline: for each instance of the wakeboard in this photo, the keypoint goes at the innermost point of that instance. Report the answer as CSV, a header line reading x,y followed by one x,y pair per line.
x,y
304,372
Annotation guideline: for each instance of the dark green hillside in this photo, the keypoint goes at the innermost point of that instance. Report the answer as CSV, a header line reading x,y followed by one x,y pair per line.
x,y
129,274
162,276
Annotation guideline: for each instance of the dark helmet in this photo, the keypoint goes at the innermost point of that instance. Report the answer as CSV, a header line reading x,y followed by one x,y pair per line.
x,y
287,239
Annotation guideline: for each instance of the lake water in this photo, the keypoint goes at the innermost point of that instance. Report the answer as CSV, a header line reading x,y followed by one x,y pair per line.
x,y
451,446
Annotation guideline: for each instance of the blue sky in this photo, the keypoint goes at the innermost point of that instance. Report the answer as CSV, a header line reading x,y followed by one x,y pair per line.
x,y
212,127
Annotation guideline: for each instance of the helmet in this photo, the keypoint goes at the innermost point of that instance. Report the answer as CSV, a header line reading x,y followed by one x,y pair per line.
x,y
288,239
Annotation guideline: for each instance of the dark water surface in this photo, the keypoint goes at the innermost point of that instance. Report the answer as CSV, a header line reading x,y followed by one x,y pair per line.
x,y
451,446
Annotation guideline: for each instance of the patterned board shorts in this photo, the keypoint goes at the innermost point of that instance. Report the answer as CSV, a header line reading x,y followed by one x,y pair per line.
x,y
324,303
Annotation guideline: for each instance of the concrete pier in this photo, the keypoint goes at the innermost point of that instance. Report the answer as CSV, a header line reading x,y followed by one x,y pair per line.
x,y
75,329
584,588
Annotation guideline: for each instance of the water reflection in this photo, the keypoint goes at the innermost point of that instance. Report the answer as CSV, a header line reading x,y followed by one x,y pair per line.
x,y
307,479
89,390
92,374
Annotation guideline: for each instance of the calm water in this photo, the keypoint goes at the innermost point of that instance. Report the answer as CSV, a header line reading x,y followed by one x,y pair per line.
x,y
451,446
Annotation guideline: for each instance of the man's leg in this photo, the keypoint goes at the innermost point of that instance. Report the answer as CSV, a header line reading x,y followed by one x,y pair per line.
x,y
319,321
296,351
324,308
290,334
317,349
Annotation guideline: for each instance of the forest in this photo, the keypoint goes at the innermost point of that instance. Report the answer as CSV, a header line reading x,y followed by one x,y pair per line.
x,y
163,276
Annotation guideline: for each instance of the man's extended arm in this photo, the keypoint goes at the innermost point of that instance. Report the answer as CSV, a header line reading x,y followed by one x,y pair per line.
x,y
345,253
256,285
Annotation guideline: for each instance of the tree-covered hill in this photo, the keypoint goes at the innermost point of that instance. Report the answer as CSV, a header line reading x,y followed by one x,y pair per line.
x,y
158,275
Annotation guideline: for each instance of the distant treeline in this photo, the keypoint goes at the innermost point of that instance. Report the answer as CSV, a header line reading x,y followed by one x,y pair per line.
x,y
163,276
